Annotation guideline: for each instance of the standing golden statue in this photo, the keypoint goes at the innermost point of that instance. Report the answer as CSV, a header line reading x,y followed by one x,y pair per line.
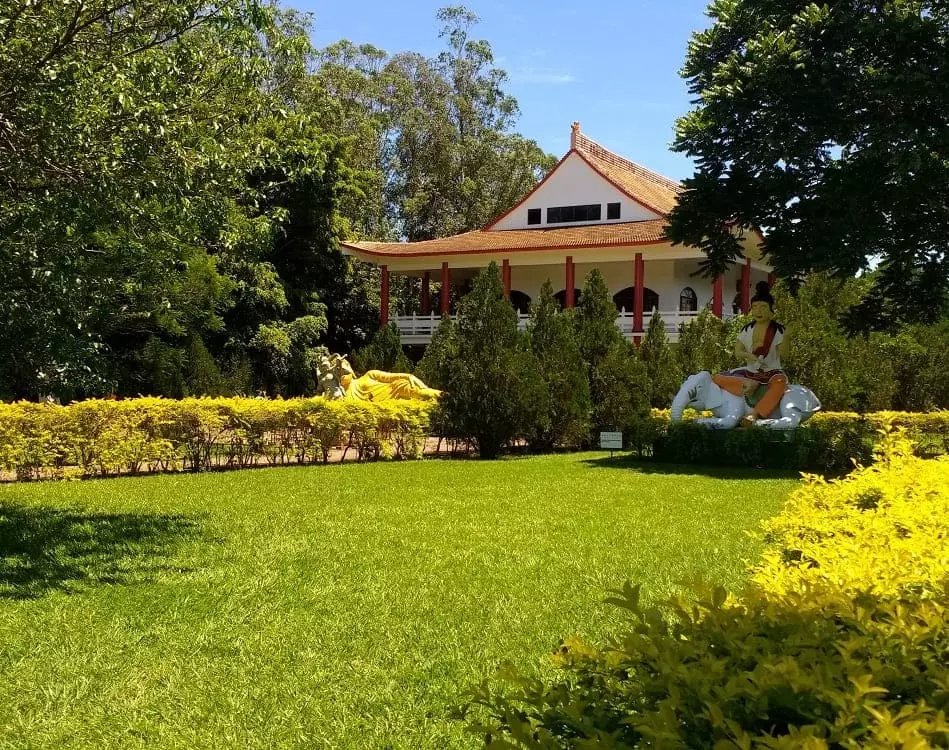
x,y
337,379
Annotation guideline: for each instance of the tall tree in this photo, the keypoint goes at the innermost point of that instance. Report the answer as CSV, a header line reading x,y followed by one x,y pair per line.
x,y
619,385
828,126
493,391
564,416
663,371
127,135
456,163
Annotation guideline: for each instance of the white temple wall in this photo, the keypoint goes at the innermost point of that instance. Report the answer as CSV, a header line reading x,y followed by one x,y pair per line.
x,y
575,183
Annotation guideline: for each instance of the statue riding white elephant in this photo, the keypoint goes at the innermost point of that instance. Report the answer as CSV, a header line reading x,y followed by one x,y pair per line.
x,y
699,392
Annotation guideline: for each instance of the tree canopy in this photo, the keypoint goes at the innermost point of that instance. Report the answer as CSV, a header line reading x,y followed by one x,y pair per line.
x,y
826,125
175,178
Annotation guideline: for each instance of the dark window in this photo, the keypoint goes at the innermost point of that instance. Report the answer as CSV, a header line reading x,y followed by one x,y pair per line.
x,y
533,216
688,300
561,298
625,300
612,210
564,214
521,302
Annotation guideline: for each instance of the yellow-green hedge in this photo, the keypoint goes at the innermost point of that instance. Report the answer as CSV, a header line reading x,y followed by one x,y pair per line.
x,y
840,639
102,438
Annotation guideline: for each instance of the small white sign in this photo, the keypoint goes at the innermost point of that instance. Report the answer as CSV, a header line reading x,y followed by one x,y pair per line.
x,y
611,441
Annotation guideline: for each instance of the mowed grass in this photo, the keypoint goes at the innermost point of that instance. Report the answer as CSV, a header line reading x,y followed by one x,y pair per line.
x,y
342,606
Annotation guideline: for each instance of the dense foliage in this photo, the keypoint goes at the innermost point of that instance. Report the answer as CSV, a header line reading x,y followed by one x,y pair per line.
x,y
904,369
137,196
829,442
619,385
105,437
563,416
383,352
839,640
175,177
824,124
662,366
492,391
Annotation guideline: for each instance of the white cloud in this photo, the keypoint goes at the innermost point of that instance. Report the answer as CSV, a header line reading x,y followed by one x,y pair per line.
x,y
534,75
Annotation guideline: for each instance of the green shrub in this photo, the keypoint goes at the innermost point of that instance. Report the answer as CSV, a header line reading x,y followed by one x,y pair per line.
x,y
621,386
662,369
840,639
563,416
707,343
104,438
829,442
383,352
492,392
619,383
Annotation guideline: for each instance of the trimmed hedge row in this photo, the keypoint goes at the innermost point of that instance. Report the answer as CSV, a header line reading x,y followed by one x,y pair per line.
x,y
104,438
840,639
829,442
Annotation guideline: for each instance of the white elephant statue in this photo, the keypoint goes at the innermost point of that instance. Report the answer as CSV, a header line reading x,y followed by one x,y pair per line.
x,y
699,392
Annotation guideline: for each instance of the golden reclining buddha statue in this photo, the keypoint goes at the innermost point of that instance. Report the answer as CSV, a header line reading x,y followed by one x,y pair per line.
x,y
336,379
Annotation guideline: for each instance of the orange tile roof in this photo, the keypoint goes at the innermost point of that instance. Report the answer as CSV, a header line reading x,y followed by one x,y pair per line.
x,y
643,185
498,240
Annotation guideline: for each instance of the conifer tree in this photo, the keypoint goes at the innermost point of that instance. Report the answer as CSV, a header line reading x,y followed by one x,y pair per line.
x,y
565,405
596,320
383,352
435,366
706,343
661,366
493,390
619,387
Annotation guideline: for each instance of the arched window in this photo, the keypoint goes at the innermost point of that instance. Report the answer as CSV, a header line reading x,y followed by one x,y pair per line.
x,y
561,298
625,299
521,302
688,300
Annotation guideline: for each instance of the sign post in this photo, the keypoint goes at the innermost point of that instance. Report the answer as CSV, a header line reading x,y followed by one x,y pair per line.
x,y
611,441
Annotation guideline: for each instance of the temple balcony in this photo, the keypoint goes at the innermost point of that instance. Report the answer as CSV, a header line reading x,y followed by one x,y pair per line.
x,y
418,329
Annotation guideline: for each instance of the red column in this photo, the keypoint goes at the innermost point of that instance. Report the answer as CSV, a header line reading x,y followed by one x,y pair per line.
x,y
745,302
506,277
639,282
570,283
717,296
384,296
772,279
446,285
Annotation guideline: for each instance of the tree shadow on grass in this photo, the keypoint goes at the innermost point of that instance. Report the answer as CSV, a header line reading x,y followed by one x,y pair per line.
x,y
45,549
647,466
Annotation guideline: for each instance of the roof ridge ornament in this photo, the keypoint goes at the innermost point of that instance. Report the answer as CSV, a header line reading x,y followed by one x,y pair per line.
x,y
586,145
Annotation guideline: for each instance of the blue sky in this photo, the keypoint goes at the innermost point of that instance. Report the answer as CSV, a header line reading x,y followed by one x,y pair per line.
x,y
611,64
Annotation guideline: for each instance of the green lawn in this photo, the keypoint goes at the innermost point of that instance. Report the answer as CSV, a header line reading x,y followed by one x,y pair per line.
x,y
339,606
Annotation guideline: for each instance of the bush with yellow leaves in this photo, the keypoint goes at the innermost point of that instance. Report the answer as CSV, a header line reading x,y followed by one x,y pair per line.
x,y
839,640
105,438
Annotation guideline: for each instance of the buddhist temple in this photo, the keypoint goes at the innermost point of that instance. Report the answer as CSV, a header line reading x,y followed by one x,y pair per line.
x,y
594,209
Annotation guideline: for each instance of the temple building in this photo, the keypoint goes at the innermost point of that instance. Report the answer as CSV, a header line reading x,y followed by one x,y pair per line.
x,y
595,209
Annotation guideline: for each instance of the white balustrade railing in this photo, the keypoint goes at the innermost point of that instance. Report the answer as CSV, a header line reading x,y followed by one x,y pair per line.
x,y
418,329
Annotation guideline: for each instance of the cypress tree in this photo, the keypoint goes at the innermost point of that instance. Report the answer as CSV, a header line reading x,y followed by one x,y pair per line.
x,y
564,413
493,389
619,387
661,366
